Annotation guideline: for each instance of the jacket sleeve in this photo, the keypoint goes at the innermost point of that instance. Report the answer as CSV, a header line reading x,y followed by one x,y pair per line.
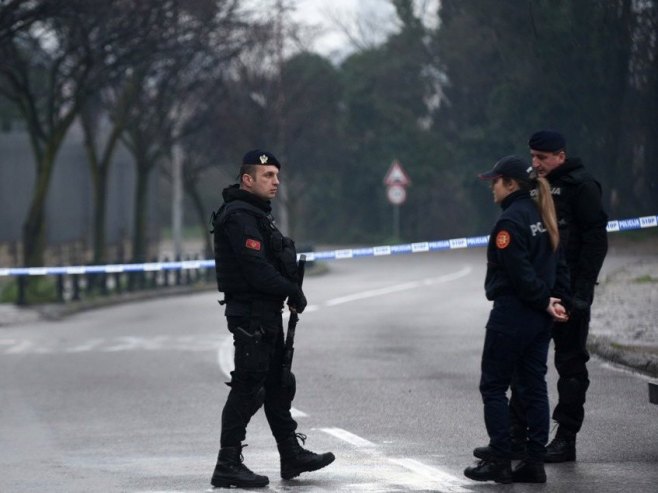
x,y
249,247
591,222
513,254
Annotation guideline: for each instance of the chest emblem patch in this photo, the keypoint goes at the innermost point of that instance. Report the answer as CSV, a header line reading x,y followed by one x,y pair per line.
x,y
503,239
253,244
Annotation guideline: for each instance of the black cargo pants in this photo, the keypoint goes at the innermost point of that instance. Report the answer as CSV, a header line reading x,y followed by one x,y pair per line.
x,y
256,379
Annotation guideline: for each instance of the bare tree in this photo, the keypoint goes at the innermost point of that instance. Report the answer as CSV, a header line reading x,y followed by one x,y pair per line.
x,y
193,46
49,61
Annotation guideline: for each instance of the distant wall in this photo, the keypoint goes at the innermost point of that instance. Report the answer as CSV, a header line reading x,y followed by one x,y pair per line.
x,y
69,209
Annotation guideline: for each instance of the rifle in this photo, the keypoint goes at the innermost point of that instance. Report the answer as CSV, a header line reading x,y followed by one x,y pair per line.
x,y
287,377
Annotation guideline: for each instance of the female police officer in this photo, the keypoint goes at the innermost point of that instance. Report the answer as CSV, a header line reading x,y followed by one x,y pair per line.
x,y
522,275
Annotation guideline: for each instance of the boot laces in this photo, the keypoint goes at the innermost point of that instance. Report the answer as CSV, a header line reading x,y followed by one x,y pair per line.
x,y
241,455
241,465
302,438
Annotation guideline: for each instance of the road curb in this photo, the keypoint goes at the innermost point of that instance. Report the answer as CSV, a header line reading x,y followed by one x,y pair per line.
x,y
641,358
59,311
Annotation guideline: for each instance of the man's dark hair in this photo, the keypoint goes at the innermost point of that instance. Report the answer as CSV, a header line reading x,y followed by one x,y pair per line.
x,y
247,169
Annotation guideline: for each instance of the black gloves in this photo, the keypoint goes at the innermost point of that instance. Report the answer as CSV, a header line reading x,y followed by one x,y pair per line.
x,y
297,301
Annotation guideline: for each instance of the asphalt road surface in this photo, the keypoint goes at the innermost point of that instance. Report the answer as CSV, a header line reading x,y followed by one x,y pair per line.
x,y
128,399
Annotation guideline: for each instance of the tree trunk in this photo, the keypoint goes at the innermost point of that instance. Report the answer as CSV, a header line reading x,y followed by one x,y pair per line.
x,y
202,216
34,232
100,214
99,172
139,223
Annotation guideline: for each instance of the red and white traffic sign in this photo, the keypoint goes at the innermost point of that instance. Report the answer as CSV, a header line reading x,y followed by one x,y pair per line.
x,y
396,194
396,175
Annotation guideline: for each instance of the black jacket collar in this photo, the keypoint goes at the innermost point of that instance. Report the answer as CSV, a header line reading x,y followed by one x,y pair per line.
x,y
234,192
513,197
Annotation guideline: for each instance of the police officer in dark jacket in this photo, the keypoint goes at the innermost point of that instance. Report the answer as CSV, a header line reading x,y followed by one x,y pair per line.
x,y
525,280
257,271
582,223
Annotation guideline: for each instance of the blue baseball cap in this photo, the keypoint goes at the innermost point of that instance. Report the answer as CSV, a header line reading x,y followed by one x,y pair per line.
x,y
509,167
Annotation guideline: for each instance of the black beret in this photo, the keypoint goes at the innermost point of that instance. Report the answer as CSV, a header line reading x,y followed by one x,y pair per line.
x,y
510,167
547,141
258,156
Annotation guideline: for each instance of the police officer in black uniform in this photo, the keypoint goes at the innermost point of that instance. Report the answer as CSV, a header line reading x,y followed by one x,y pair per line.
x,y
256,270
526,281
582,223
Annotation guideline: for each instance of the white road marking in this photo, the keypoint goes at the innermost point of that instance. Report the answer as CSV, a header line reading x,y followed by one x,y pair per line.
x,y
110,345
22,347
372,293
448,483
86,346
399,287
423,474
348,437
130,343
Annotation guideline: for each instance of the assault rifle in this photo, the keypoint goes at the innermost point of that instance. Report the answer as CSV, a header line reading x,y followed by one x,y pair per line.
x,y
287,377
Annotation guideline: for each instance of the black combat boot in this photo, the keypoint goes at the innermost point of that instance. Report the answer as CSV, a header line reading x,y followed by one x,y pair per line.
x,y
518,452
296,460
498,470
529,472
562,448
230,471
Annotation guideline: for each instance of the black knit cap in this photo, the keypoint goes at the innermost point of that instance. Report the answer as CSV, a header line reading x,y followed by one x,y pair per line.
x,y
547,141
258,156
510,167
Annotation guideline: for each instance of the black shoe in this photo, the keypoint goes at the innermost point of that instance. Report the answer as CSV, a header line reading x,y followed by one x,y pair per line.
x,y
529,472
296,460
488,453
499,470
562,448
230,471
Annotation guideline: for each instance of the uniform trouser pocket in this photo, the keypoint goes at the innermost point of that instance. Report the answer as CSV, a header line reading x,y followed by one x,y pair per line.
x,y
252,353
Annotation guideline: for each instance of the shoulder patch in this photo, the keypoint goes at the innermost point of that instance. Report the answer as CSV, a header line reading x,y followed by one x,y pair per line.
x,y
253,244
503,239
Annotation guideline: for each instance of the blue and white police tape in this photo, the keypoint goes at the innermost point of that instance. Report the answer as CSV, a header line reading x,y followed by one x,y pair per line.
x,y
376,251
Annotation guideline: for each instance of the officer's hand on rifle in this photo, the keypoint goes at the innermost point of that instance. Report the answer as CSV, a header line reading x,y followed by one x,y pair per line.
x,y
297,301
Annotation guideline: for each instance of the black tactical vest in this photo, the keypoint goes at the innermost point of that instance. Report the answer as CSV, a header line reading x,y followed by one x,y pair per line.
x,y
279,250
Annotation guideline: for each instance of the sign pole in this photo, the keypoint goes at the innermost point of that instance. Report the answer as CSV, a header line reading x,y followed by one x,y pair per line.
x,y
396,222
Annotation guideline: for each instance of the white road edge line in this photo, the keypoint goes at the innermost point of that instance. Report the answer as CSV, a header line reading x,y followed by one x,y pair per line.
x,y
448,482
399,287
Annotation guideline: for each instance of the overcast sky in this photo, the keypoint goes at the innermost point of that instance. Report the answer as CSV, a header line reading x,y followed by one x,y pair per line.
x,y
367,21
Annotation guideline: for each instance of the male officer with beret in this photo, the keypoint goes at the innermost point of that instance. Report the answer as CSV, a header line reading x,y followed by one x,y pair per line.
x,y
582,223
256,270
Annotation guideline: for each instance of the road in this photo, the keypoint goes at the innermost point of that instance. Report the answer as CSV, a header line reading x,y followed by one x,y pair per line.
x,y
128,398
